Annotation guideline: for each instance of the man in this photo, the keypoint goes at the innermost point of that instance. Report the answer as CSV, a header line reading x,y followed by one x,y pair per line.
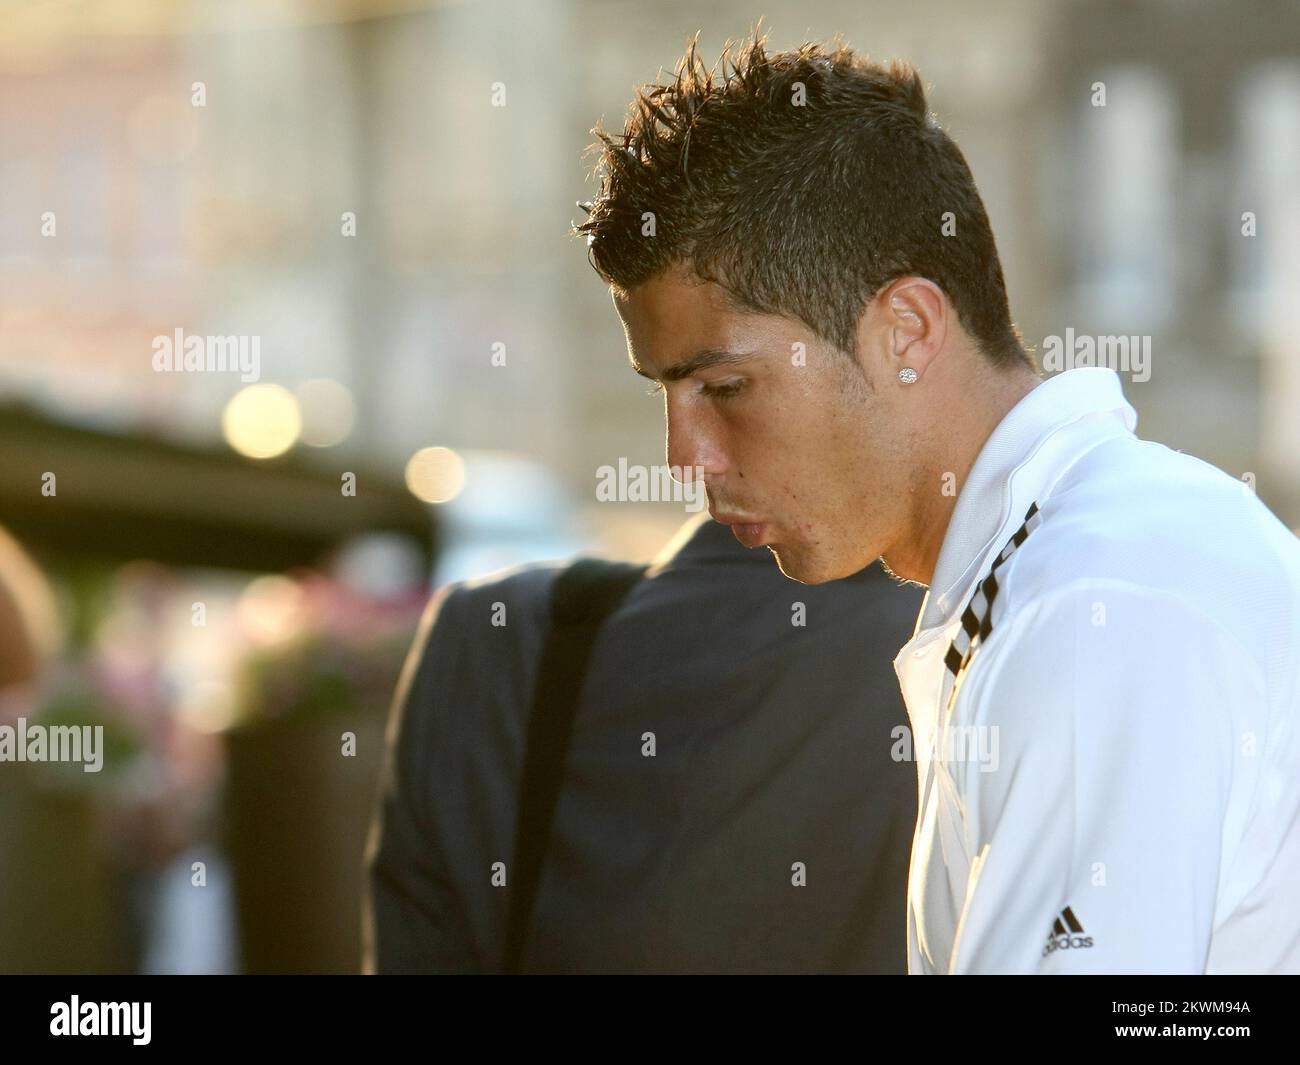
x,y
801,259
731,799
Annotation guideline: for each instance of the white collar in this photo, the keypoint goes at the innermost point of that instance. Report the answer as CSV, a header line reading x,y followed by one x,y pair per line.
x,y
1022,458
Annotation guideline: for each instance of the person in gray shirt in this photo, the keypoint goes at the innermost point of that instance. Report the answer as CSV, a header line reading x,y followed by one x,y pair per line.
x,y
732,798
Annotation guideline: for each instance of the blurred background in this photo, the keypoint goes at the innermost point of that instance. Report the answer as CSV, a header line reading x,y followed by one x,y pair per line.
x,y
225,570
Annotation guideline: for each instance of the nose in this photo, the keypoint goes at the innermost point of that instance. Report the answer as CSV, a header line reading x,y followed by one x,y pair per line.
x,y
693,442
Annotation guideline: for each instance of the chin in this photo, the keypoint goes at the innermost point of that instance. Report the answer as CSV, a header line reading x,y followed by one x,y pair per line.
x,y
799,567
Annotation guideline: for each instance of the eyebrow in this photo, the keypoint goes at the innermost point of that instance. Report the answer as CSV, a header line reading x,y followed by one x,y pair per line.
x,y
701,360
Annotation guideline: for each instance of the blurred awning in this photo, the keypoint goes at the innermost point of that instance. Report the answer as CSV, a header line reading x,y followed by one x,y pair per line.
x,y
131,497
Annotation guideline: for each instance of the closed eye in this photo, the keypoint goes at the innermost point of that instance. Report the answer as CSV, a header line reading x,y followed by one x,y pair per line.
x,y
725,391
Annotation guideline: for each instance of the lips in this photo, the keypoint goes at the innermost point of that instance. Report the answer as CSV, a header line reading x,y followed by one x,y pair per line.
x,y
751,534
748,532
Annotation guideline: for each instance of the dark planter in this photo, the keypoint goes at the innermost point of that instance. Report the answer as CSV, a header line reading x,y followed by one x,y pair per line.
x,y
298,812
59,906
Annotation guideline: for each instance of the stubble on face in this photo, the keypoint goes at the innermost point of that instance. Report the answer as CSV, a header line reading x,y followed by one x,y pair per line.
x,y
810,446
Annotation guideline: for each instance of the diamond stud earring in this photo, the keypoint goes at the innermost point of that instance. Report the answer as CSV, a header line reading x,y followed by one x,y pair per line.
x,y
907,375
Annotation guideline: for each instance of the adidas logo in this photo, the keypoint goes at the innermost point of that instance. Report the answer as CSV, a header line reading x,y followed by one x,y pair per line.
x,y
1066,933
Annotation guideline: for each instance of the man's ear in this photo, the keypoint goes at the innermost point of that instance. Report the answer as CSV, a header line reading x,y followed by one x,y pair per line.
x,y
908,324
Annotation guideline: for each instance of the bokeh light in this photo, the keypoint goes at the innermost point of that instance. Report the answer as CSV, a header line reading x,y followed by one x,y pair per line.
x,y
262,421
328,411
435,474
271,609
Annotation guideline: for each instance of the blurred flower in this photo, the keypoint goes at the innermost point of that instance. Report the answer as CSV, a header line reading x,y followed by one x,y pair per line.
x,y
346,654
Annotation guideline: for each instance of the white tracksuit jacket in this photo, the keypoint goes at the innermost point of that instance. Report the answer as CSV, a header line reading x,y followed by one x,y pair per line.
x,y
1114,787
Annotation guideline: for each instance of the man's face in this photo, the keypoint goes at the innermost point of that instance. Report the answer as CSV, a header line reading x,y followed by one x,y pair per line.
x,y
801,448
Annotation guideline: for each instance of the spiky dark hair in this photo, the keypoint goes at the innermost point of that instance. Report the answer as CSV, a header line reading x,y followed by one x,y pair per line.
x,y
801,183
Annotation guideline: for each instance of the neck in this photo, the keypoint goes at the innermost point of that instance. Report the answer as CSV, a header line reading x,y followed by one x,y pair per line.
x,y
934,493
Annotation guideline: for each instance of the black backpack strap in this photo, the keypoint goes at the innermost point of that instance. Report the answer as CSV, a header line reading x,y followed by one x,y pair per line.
x,y
584,595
